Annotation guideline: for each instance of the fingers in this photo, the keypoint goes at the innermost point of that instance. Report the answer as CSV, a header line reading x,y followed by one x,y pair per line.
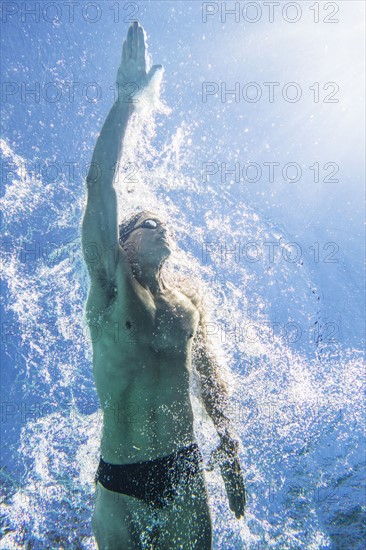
x,y
124,51
237,505
129,41
134,46
141,45
240,495
240,504
235,490
237,502
134,28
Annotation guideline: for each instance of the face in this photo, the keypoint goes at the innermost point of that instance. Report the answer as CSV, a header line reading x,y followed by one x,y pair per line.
x,y
152,245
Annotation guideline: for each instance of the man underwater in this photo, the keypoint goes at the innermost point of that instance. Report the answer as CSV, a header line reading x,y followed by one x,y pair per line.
x,y
151,490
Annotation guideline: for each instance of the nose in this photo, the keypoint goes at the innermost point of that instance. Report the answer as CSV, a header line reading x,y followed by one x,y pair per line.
x,y
163,234
163,230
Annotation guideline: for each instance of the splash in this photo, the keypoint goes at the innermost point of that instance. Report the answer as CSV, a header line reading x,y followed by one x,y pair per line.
x,y
291,390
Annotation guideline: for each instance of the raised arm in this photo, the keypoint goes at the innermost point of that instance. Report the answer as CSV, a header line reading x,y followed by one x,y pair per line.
x,y
215,398
100,226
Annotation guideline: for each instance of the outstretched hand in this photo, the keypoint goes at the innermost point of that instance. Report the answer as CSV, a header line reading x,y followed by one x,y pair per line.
x,y
132,74
226,456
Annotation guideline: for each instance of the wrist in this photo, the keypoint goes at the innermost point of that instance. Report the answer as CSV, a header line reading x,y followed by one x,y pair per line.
x,y
124,106
228,442
224,431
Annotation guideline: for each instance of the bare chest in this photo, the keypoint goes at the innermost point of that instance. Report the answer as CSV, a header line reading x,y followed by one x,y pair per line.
x,y
175,321
164,322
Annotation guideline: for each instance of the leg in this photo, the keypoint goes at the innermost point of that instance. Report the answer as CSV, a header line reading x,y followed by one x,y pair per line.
x,y
187,524
122,522
118,520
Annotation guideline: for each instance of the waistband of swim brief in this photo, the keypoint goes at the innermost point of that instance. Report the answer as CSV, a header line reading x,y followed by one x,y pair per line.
x,y
185,451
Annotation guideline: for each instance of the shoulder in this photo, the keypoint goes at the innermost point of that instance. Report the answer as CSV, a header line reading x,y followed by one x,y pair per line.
x,y
195,297
200,341
189,287
193,289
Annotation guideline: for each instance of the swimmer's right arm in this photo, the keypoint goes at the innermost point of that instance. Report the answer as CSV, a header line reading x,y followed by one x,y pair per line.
x,y
100,227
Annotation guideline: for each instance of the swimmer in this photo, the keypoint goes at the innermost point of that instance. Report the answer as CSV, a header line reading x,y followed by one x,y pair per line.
x,y
150,486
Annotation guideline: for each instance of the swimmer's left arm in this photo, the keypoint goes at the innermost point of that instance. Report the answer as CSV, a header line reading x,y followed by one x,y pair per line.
x,y
213,388
215,398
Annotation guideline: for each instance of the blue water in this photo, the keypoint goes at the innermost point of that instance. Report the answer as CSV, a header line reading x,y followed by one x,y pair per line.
x,y
279,259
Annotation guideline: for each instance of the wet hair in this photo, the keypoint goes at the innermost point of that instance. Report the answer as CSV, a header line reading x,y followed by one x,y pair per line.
x,y
129,223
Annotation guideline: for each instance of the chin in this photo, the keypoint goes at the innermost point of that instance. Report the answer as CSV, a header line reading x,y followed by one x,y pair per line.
x,y
159,257
166,254
165,246
157,253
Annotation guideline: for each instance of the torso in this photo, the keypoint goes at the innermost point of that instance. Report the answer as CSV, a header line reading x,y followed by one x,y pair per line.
x,y
141,365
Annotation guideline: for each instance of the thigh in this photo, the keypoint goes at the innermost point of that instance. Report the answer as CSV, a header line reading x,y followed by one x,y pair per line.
x,y
187,523
119,521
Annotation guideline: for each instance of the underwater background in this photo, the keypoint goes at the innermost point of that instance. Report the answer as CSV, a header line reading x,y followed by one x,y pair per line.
x,y
255,156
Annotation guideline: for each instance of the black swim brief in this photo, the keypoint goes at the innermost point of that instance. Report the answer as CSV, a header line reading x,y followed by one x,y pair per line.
x,y
154,481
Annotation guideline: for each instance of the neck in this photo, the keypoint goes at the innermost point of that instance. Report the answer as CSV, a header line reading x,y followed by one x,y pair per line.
x,y
149,277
